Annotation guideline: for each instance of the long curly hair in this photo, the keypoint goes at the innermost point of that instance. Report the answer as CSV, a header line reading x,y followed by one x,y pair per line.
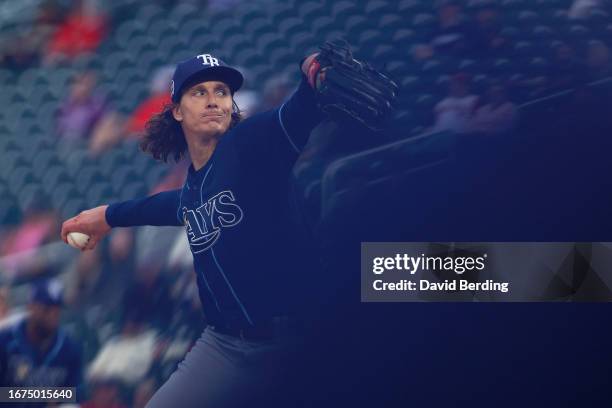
x,y
164,138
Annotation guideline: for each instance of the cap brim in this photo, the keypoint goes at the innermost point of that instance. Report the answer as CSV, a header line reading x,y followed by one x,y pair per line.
x,y
232,77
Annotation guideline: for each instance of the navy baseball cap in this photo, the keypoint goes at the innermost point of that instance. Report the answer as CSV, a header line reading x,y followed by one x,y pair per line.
x,y
47,293
204,67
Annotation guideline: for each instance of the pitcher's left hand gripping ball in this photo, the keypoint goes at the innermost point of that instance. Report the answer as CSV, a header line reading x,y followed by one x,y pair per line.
x,y
350,89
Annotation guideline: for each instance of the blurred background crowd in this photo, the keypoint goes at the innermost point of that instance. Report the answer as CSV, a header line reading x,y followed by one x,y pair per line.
x,y
80,79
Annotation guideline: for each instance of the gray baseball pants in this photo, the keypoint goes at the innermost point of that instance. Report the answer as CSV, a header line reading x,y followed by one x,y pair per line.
x,y
224,371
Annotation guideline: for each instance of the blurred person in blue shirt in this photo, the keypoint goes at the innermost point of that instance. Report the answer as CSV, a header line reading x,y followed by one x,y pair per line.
x,y
36,352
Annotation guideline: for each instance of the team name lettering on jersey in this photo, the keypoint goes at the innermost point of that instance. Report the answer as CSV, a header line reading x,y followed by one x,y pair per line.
x,y
204,224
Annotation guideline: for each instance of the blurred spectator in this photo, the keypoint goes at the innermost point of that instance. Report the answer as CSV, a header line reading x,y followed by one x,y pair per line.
x,y
36,351
128,356
83,110
454,112
5,305
598,61
143,393
581,9
158,98
451,35
82,31
566,71
175,177
149,295
38,227
105,394
498,115
87,115
246,98
82,284
485,36
25,50
275,91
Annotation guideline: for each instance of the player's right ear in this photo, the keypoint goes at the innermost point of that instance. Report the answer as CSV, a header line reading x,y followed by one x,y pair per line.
x,y
176,113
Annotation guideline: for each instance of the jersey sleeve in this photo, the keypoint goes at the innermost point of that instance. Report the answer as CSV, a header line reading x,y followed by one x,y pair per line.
x,y
161,209
279,134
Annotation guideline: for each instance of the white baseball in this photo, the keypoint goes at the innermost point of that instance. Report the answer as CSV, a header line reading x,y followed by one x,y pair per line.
x,y
77,240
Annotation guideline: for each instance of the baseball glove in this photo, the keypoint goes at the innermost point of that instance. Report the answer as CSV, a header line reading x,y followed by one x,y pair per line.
x,y
349,89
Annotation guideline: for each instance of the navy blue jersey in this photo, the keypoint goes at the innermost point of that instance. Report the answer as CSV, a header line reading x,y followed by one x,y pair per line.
x,y
236,215
23,365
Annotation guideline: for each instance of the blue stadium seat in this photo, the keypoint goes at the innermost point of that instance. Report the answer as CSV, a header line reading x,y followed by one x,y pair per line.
x,y
410,7
72,206
89,175
54,175
390,23
378,7
99,193
341,10
354,25
257,26
513,5
43,160
63,192
29,194
527,18
290,26
308,10
268,42
302,41
9,211
19,176
404,36
132,189
154,175
321,24
384,52
280,11
124,174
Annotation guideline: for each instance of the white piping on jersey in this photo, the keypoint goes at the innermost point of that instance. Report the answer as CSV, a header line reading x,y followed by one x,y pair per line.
x,y
203,274
178,210
280,120
212,251
210,291
202,185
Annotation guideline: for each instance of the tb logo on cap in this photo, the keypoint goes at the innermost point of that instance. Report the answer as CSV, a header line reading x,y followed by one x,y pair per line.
x,y
208,59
